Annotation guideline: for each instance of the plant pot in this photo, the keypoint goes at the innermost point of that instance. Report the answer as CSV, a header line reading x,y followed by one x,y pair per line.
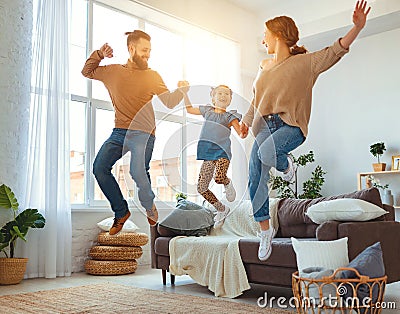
x,y
379,167
12,270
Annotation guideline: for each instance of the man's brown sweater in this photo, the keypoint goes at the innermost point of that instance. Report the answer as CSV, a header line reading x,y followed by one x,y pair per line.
x,y
131,90
286,88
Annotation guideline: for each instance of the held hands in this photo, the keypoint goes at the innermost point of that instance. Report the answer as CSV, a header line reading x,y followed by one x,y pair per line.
x,y
106,51
360,14
183,86
244,130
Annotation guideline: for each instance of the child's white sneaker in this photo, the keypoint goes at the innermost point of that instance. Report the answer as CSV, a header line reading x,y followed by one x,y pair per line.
x,y
288,176
265,248
230,192
220,217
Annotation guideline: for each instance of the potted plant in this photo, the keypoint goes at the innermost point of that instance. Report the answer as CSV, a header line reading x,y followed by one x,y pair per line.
x,y
311,188
377,150
12,269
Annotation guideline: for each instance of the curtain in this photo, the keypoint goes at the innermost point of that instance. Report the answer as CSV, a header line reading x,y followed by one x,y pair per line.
x,y
47,188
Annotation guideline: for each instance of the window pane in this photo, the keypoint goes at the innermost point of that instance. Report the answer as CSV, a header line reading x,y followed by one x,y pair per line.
x,y
77,154
165,165
77,82
200,72
78,22
104,127
167,62
109,26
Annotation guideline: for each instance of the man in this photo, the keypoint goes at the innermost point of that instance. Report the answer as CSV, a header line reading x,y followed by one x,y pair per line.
x,y
131,87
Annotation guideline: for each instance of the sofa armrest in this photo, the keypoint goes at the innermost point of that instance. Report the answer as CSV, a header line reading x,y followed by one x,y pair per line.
x,y
390,216
363,234
327,231
153,236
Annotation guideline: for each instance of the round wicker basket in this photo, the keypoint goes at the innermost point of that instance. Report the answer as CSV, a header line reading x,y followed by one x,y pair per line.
x,y
12,270
115,253
123,239
110,267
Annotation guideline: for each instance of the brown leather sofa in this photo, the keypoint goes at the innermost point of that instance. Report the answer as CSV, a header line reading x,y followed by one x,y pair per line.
x,y
293,222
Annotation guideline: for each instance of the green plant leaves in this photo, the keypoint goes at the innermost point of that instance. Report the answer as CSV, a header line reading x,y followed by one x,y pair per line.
x,y
311,187
18,228
377,149
7,198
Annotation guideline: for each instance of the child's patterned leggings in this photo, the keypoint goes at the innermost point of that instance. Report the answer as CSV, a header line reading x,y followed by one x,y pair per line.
x,y
209,169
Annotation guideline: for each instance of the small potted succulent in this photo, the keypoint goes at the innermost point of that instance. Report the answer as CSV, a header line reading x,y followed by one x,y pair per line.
x,y
377,151
12,269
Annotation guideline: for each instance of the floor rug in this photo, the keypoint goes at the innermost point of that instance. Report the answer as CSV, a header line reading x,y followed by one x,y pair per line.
x,y
112,298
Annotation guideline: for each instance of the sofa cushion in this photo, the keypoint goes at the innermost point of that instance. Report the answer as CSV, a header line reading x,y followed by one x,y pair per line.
x,y
282,252
328,254
291,212
188,219
346,209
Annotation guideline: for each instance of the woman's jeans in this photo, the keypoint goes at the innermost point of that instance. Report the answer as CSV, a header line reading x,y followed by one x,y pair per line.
x,y
271,147
141,145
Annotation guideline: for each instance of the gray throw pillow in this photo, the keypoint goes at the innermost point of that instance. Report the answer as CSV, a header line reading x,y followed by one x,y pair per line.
x,y
188,219
368,263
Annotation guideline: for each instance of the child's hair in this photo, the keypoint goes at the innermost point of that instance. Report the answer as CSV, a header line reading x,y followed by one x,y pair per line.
x,y
285,28
134,36
213,89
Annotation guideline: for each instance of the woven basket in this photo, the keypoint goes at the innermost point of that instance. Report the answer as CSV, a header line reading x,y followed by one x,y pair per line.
x,y
110,267
123,239
332,294
115,253
12,270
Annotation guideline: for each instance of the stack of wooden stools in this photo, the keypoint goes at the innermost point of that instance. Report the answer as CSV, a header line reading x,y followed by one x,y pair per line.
x,y
117,254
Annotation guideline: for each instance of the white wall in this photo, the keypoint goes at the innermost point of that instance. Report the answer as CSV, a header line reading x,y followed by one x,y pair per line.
x,y
15,73
356,103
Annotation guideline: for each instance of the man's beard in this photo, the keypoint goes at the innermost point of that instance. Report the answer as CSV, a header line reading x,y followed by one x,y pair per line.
x,y
140,62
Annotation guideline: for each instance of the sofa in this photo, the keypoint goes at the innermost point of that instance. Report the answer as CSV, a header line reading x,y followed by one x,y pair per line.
x,y
293,222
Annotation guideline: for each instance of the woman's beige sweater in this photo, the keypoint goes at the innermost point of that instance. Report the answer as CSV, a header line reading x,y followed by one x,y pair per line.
x,y
286,88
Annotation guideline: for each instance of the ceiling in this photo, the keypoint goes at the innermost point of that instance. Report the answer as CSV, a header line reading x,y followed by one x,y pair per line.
x,y
302,11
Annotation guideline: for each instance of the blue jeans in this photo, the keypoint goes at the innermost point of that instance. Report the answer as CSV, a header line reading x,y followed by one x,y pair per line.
x,y
141,145
271,147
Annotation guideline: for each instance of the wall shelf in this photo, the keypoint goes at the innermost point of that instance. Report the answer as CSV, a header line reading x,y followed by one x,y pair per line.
x,y
364,174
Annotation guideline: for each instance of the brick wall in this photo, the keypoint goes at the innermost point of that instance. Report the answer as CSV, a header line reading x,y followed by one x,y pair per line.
x,y
15,78
85,231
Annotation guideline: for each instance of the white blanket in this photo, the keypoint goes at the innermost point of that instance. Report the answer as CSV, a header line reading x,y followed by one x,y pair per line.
x,y
214,261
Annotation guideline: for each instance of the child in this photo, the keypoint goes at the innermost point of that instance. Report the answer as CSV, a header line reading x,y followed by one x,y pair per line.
x,y
214,147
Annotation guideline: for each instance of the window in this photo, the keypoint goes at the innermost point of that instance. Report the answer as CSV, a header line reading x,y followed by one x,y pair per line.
x,y
175,55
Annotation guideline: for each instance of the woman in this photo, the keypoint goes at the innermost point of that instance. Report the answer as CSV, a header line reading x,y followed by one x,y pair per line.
x,y
280,110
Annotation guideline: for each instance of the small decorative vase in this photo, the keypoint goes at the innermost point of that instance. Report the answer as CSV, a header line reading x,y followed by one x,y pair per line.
x,y
387,197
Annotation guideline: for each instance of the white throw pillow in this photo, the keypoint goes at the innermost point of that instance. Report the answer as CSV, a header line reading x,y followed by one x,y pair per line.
x,y
327,254
106,224
344,209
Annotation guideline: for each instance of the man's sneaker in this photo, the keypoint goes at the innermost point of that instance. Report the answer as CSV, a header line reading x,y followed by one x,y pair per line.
x,y
119,223
219,218
288,176
152,215
230,192
265,248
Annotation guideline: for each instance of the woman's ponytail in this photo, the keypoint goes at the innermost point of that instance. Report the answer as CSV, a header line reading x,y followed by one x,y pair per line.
x,y
295,50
